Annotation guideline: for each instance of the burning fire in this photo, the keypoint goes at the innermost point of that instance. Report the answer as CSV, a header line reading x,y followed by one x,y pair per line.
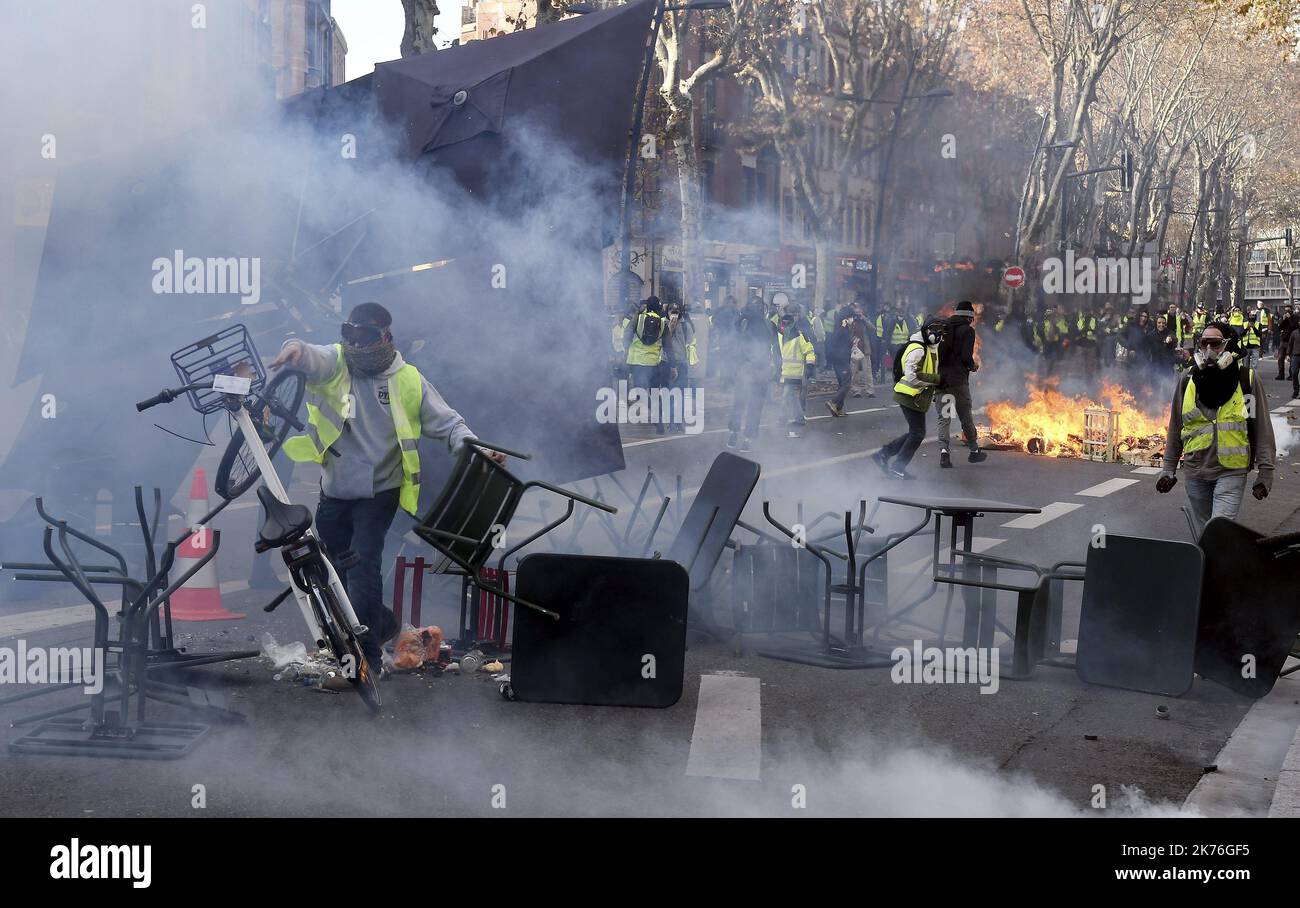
x,y
1051,423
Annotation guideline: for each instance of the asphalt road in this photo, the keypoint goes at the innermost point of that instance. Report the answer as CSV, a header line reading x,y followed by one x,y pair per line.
x,y
750,736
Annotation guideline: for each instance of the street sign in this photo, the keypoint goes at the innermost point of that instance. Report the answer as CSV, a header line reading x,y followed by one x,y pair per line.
x,y
1014,276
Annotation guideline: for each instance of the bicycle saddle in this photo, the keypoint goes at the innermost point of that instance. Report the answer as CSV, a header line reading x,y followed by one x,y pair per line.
x,y
282,523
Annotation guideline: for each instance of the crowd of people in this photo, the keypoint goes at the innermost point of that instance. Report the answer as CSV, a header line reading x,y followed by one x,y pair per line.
x,y
1212,360
1149,348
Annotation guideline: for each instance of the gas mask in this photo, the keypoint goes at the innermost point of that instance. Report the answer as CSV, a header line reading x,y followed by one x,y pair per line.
x,y
1221,360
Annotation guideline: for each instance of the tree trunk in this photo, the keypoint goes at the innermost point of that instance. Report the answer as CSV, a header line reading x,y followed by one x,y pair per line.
x,y
418,37
688,184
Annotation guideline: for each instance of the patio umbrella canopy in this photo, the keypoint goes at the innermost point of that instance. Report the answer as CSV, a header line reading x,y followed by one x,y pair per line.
x,y
493,168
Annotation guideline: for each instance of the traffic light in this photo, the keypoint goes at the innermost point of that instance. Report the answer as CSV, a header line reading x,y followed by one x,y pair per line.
x,y
1126,171
1287,239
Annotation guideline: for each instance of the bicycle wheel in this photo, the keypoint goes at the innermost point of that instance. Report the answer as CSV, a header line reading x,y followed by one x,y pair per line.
x,y
238,471
345,644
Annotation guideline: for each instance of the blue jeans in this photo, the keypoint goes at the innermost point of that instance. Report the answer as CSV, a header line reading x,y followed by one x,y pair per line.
x,y
1215,498
360,525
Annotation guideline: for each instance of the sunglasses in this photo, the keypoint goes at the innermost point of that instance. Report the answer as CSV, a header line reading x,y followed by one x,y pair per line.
x,y
1213,343
361,335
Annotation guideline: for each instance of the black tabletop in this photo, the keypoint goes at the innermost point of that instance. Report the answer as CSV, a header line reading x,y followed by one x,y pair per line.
x,y
954,506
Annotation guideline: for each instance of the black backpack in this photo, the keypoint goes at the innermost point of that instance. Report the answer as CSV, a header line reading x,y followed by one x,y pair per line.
x,y
898,360
651,328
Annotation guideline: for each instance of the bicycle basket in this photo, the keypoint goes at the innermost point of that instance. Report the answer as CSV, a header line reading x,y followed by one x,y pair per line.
x,y
217,355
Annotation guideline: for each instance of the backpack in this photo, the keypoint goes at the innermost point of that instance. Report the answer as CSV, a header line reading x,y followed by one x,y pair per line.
x,y
650,328
898,360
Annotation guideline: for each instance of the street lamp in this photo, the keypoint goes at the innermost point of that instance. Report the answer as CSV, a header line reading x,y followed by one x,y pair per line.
x,y
634,137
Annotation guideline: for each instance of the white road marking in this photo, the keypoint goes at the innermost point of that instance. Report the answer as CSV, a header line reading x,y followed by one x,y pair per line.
x,y
1050,512
1102,489
728,738
45,619
1148,471
977,544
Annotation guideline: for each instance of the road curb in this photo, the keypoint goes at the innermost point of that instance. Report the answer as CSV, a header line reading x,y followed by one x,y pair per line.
x,y
1248,780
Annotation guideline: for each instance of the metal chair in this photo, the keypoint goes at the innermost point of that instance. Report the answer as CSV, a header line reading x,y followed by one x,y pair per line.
x,y
468,521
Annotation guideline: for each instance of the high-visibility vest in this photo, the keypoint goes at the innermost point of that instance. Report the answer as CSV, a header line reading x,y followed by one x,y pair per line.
x,y
796,353
1237,320
1229,427
331,400
639,354
1054,329
1198,323
898,334
928,366
1085,327
1262,319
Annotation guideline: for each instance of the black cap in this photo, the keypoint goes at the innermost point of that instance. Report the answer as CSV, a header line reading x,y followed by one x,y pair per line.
x,y
966,307
372,314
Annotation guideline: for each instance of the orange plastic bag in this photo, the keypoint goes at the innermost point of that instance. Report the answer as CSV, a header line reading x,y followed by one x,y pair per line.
x,y
431,638
408,651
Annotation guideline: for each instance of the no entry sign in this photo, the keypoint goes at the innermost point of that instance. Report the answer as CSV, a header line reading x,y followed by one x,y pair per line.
x,y
1014,276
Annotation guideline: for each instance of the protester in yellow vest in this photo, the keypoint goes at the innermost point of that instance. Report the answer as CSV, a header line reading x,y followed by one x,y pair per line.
x,y
918,376
1214,429
797,354
370,408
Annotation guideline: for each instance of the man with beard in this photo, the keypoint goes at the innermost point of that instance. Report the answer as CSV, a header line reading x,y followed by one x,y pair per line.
x,y
1213,428
370,408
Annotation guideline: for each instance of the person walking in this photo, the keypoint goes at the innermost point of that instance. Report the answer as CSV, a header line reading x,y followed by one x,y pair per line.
x,y
956,363
918,376
680,354
839,355
1214,430
798,355
369,408
756,361
1293,353
644,339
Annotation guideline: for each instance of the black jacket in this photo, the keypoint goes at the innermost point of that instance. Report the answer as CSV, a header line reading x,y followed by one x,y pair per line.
x,y
839,343
957,352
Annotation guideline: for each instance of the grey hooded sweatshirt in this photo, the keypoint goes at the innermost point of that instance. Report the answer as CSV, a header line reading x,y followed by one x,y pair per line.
x,y
370,459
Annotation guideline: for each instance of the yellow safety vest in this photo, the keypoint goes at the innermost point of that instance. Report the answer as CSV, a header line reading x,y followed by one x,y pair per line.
x,y
1229,427
796,352
1198,322
900,332
929,366
331,399
1086,327
641,355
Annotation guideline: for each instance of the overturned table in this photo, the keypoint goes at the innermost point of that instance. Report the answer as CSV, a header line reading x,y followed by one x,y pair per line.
x,y
1037,633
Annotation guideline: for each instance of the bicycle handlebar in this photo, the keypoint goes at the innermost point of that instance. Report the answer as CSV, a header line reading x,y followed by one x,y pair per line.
x,y
167,395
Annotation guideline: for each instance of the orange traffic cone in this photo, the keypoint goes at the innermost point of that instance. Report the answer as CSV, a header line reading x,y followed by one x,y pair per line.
x,y
200,598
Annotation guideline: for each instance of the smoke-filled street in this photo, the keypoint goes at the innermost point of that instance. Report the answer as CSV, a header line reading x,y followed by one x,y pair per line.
x,y
877,410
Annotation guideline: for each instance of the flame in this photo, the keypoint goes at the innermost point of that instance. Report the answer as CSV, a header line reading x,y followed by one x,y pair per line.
x,y
1054,421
